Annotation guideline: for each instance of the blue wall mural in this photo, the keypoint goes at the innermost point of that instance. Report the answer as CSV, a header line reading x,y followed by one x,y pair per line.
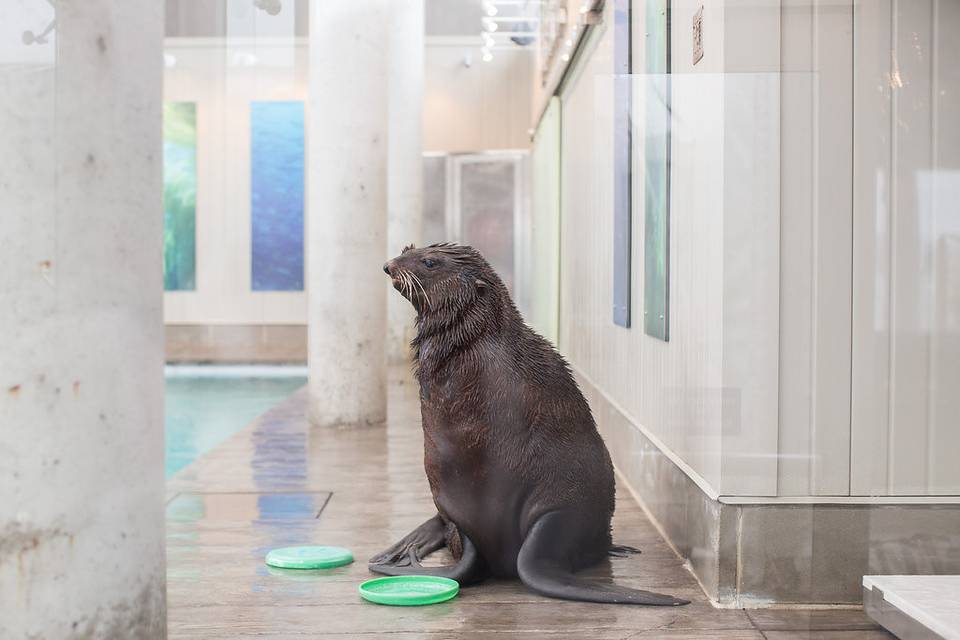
x,y
276,195
179,196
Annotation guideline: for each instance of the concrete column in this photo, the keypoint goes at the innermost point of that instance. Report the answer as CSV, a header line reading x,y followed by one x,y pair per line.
x,y
347,208
81,333
405,159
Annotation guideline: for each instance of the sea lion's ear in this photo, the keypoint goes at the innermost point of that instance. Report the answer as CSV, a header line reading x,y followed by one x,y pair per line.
x,y
407,248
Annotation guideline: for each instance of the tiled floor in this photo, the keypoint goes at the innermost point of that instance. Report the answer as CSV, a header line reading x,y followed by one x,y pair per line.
x,y
279,483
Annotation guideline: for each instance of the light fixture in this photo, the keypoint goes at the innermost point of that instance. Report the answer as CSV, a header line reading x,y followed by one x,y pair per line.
x,y
490,8
486,56
29,37
565,57
488,40
271,7
489,25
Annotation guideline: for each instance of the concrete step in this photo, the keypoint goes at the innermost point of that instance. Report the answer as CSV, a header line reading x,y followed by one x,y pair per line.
x,y
914,606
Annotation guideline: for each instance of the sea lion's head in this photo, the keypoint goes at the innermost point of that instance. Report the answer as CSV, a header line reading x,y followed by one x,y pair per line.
x,y
441,276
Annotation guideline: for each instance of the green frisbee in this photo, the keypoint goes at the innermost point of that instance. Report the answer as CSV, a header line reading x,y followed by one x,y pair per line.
x,y
409,591
309,557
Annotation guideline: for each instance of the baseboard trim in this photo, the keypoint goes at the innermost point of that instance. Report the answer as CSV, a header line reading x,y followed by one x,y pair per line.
x,y
849,500
253,344
752,552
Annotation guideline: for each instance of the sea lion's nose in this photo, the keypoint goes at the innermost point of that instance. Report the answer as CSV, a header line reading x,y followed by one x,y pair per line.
x,y
386,268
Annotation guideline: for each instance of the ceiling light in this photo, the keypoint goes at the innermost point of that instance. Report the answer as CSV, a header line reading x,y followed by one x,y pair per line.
x,y
486,56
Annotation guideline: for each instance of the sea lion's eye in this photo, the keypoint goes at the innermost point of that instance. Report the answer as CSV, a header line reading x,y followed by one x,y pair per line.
x,y
428,263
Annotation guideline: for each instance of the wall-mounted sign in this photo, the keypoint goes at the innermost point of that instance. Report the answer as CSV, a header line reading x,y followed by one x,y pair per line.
x,y
698,35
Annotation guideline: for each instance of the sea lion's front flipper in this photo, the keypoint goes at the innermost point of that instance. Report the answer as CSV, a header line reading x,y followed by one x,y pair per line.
x,y
424,540
543,566
468,569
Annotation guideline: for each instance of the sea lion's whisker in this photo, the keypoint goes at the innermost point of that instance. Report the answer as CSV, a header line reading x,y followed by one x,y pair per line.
x,y
422,290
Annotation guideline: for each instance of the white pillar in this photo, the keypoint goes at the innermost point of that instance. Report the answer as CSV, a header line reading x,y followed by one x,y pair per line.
x,y
347,207
81,352
405,182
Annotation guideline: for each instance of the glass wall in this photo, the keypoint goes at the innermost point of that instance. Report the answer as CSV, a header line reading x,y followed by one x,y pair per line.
x,y
235,93
790,432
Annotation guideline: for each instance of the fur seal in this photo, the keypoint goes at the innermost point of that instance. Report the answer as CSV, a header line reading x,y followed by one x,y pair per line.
x,y
521,479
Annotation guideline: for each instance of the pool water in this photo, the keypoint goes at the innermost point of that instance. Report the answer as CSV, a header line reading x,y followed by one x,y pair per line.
x,y
202,411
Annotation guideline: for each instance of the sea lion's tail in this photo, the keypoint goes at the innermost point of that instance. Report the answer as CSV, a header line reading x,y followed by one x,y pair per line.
x,y
555,582
542,567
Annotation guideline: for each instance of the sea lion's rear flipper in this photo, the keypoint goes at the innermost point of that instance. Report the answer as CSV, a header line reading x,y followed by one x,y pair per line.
x,y
543,566
469,568
424,540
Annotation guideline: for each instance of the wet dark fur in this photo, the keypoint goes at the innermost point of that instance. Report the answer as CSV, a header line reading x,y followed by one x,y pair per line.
x,y
508,436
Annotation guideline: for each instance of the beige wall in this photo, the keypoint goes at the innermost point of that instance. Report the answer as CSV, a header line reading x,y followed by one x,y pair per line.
x,y
466,109
813,248
483,106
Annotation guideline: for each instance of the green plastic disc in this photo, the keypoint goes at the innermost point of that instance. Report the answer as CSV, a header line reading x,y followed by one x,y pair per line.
x,y
409,591
309,557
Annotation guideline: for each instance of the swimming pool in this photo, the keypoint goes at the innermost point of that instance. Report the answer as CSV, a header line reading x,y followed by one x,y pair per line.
x,y
207,405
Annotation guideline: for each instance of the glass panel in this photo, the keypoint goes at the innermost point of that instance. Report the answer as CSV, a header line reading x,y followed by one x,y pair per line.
x,y
543,266
622,169
656,276
435,200
276,195
179,196
487,193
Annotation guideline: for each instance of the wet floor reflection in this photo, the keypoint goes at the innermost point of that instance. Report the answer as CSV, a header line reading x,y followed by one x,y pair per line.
x,y
265,489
